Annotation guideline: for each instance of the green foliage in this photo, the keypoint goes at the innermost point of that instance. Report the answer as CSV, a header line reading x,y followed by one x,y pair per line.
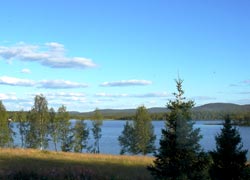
x,y
65,130
229,160
81,134
38,123
96,130
180,155
31,135
138,137
54,127
144,131
126,139
6,134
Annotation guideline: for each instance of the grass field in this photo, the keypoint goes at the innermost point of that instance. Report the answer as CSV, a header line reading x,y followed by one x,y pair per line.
x,y
35,164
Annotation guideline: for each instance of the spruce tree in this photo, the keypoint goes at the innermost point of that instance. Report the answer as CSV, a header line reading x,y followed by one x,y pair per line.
x,y
229,159
180,155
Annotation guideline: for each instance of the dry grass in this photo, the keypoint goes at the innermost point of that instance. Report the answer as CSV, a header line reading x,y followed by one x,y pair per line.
x,y
101,166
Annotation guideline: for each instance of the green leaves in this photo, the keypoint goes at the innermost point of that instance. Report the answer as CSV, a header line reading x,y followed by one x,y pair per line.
x,y
138,136
96,130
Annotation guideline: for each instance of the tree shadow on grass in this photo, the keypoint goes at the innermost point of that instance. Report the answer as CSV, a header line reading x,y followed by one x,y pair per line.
x,y
39,168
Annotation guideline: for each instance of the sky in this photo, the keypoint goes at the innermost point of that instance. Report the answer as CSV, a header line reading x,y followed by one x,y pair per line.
x,y
118,54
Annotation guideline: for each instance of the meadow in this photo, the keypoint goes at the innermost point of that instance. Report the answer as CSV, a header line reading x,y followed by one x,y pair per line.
x,y
36,164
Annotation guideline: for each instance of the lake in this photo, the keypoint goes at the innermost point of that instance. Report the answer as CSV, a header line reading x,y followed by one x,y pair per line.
x,y
111,129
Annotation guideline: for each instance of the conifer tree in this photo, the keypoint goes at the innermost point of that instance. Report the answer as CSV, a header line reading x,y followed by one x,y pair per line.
x,y
229,159
180,155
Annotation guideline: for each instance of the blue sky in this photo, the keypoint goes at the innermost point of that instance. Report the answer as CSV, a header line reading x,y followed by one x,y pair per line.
x,y
89,54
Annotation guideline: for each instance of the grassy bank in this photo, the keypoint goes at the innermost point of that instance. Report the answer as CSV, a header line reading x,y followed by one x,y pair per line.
x,y
58,165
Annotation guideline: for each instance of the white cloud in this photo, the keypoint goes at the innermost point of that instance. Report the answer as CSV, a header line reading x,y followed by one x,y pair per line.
x,y
60,84
110,95
26,71
47,84
154,94
146,95
51,54
203,98
133,82
66,94
12,81
8,96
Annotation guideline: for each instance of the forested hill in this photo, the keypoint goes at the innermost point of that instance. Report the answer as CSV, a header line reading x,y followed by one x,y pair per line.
x,y
207,111
222,107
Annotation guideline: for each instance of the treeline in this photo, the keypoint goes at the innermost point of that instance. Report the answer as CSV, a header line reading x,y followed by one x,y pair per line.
x,y
240,117
41,125
179,156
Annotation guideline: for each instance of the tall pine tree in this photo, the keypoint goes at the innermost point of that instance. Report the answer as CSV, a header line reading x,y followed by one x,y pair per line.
x,y
229,160
180,155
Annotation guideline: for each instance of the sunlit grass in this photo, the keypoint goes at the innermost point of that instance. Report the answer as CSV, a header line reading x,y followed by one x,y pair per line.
x,y
101,166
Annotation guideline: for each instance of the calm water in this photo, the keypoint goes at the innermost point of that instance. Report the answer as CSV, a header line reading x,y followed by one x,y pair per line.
x,y
112,129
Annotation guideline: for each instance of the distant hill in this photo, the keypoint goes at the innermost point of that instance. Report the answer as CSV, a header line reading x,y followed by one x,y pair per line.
x,y
225,107
212,107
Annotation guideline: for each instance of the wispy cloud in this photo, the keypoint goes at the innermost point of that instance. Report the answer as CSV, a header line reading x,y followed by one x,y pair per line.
x,y
8,96
241,83
247,81
245,92
60,84
151,95
26,71
203,98
133,82
47,84
146,95
12,81
51,54
110,95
